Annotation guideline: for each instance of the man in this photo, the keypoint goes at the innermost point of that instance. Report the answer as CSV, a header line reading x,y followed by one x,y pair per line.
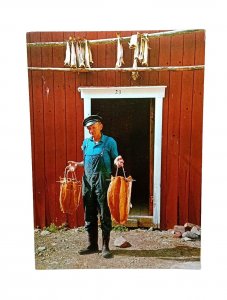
x,y
99,152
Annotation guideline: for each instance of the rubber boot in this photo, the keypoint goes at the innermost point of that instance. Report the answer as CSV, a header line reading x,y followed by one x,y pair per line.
x,y
105,246
92,244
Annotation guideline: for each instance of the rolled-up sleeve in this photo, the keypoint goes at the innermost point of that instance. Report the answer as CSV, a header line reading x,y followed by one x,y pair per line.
x,y
113,148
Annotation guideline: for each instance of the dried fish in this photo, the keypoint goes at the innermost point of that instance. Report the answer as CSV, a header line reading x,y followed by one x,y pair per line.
x,y
135,74
70,193
141,49
87,54
73,62
80,54
67,55
133,41
90,54
145,51
120,59
119,198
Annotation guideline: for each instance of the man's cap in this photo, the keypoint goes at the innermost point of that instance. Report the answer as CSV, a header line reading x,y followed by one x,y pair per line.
x,y
92,120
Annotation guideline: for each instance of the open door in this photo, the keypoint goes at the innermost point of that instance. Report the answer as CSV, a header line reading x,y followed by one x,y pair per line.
x,y
131,123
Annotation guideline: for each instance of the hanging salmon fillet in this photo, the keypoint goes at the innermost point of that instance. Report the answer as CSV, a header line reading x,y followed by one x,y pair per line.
x,y
70,193
119,197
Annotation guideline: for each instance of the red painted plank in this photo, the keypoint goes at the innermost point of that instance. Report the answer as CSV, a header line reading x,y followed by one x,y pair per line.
x,y
101,76
111,58
173,133
197,126
164,77
60,122
38,136
185,128
49,130
153,61
92,77
29,61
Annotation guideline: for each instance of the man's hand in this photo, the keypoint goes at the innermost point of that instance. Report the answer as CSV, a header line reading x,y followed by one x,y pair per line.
x,y
119,162
72,165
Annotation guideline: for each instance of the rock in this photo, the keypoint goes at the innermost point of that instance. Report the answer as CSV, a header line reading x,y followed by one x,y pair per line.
x,y
37,230
190,235
80,229
45,232
179,228
188,226
177,234
185,239
41,249
121,242
196,230
151,229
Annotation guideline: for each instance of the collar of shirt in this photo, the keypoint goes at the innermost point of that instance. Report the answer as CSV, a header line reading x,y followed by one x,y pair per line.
x,y
101,140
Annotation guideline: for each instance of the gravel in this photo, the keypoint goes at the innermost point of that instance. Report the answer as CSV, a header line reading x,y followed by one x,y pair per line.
x,y
149,250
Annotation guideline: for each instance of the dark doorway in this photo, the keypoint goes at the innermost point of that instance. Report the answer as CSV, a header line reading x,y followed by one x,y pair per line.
x,y
129,122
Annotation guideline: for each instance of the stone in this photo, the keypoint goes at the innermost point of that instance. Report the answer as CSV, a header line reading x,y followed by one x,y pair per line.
x,y
177,234
186,239
190,235
40,249
188,226
80,229
45,232
151,229
196,230
179,228
121,242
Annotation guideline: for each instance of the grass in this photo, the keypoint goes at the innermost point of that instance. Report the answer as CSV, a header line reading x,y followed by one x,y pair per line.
x,y
120,228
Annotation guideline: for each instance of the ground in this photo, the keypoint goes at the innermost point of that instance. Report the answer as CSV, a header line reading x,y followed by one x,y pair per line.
x,y
150,249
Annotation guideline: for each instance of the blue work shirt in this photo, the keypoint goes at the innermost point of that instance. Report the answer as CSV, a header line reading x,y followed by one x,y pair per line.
x,y
90,147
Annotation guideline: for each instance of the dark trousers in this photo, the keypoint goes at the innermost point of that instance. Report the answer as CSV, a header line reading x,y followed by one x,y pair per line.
x,y
95,201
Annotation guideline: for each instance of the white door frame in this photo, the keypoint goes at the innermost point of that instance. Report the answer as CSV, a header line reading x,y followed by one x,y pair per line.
x,y
156,92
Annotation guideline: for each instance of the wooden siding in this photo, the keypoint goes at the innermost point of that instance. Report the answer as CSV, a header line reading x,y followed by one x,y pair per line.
x,y
56,111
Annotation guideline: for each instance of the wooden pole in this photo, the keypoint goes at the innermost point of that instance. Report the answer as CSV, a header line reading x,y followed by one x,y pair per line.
x,y
114,40
139,69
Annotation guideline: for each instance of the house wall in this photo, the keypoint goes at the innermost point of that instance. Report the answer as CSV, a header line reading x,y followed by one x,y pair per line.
x,y
56,110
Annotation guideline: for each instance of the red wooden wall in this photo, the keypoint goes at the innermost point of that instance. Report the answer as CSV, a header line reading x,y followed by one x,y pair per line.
x,y
56,112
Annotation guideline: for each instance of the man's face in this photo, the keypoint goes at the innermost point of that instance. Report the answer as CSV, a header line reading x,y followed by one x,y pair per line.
x,y
95,129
